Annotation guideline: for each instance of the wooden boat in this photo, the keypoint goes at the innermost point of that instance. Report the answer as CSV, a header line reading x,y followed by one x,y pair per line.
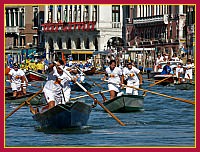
x,y
18,100
76,87
91,71
125,103
64,116
35,76
185,86
164,76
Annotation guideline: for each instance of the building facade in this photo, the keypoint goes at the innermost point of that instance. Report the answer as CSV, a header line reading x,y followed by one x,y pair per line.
x,y
81,29
162,27
22,25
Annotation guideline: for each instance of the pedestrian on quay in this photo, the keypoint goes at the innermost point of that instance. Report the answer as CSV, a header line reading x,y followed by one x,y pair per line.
x,y
130,75
114,75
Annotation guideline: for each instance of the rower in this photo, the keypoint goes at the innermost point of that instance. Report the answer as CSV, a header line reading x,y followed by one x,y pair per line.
x,y
58,78
114,76
18,80
131,74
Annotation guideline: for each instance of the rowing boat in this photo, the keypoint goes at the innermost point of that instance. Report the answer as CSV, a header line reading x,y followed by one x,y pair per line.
x,y
125,103
75,87
18,100
185,86
90,72
64,116
160,77
35,76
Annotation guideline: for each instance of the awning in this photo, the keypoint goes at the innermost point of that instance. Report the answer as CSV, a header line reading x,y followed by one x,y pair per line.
x,y
82,52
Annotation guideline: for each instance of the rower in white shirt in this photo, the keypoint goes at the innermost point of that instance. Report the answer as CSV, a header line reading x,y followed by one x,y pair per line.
x,y
131,74
113,74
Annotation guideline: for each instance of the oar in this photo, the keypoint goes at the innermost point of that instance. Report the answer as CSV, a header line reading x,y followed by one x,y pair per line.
x,y
90,79
180,99
25,102
87,95
101,93
151,85
95,100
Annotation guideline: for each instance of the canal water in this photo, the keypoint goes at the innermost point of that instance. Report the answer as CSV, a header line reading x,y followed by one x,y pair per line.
x,y
162,122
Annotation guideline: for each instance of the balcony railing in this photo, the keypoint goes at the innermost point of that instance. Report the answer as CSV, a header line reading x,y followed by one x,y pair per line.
x,y
69,26
142,20
10,29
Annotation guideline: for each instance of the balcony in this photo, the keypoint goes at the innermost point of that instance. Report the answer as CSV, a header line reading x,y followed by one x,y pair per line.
x,y
69,26
150,19
12,29
116,25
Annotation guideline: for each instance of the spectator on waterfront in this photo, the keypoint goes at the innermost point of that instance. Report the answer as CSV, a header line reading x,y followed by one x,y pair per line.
x,y
113,74
32,65
40,67
158,60
174,57
166,69
18,81
10,62
131,74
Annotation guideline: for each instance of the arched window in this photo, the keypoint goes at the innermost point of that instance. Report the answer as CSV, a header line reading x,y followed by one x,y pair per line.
x,y
69,44
78,44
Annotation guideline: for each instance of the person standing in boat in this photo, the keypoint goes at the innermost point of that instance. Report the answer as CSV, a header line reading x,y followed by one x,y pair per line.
x,y
18,80
113,74
131,74
179,72
65,79
188,71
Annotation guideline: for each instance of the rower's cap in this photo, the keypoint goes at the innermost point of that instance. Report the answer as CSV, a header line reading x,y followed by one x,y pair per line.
x,y
15,65
129,63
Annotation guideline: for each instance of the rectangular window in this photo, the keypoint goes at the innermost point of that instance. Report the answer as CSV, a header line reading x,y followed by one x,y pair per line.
x,y
35,16
16,16
35,40
116,13
12,18
7,18
21,18
94,13
22,40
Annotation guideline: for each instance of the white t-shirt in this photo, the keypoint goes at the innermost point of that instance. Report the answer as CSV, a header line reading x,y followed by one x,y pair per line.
x,y
15,75
65,80
114,75
131,74
178,70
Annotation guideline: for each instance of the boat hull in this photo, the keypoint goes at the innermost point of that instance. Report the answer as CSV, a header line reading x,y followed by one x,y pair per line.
x,y
90,72
125,103
35,101
185,86
35,76
168,81
64,116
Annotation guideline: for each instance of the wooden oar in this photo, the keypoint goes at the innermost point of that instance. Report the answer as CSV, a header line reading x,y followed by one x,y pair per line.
x,y
180,99
87,95
95,100
25,102
90,79
101,93
151,85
